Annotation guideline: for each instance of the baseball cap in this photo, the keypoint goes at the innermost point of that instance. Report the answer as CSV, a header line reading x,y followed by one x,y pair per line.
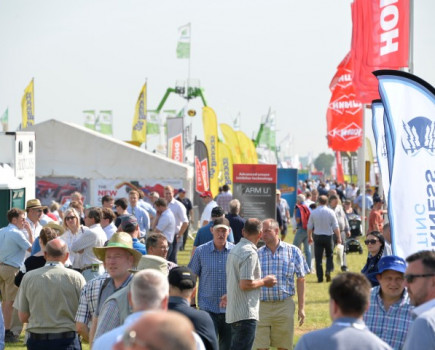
x,y
152,262
128,223
278,192
221,222
182,277
206,194
217,212
181,190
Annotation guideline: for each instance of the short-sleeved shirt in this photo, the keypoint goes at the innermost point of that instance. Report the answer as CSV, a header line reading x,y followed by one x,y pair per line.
x,y
242,264
13,246
223,200
166,225
323,221
180,215
206,213
187,204
283,208
204,235
208,264
50,295
285,263
376,221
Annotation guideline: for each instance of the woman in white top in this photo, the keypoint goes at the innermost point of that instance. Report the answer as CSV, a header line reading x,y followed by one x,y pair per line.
x,y
73,230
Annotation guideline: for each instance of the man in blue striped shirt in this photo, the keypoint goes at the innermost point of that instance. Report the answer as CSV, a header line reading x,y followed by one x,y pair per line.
x,y
208,263
277,307
389,315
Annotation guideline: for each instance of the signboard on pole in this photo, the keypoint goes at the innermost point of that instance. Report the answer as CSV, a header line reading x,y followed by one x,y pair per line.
x,y
287,184
255,186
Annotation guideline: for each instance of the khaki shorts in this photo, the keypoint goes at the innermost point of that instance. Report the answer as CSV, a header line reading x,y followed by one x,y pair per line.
x,y
7,286
276,325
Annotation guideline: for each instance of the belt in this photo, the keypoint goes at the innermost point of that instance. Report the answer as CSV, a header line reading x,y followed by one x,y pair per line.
x,y
52,336
88,267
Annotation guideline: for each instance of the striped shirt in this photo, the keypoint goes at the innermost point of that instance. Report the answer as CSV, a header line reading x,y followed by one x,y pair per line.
x,y
242,264
323,221
208,264
392,325
285,263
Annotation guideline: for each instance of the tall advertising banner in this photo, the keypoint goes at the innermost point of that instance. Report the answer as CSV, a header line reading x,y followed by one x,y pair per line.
x,y
28,106
380,40
409,104
248,151
225,165
288,184
90,119
232,141
175,139
202,180
255,187
139,131
344,117
381,145
105,119
209,122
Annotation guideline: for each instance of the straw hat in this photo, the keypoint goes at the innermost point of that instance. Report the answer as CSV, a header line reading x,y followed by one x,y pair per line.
x,y
34,203
119,240
56,227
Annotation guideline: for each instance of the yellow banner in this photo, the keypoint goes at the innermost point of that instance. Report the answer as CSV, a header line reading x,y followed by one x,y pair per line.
x,y
139,131
28,107
233,142
225,164
249,153
209,122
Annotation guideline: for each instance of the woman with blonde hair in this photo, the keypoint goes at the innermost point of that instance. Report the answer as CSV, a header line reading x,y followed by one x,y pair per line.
x,y
73,230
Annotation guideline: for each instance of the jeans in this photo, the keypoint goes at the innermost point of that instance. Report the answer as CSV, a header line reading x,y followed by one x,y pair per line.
x,y
172,252
243,334
323,243
55,344
302,237
223,330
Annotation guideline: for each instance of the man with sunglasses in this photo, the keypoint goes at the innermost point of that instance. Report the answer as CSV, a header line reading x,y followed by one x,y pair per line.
x,y
420,281
389,313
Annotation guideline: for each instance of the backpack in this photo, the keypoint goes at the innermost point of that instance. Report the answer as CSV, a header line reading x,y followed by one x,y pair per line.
x,y
305,214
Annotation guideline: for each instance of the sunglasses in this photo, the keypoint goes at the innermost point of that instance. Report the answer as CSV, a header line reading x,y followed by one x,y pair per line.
x,y
410,278
371,241
70,218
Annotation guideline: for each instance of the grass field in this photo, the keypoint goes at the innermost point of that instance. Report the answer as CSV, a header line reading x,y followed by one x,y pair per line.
x,y
316,294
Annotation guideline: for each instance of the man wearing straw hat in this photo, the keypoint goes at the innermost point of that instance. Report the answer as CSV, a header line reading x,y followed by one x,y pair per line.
x,y
32,226
118,257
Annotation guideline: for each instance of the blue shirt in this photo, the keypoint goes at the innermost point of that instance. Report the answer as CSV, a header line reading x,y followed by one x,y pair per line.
x,y
285,263
204,235
392,325
140,247
147,206
142,218
13,246
209,264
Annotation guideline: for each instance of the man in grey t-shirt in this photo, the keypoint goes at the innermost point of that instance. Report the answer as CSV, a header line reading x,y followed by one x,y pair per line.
x,y
243,286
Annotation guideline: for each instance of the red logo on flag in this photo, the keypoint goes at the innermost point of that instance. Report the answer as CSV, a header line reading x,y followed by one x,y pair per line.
x,y
176,148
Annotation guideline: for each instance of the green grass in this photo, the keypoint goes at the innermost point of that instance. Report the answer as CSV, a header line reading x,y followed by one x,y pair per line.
x,y
316,294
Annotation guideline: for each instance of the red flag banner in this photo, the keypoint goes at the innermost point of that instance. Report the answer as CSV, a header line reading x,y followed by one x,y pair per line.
x,y
339,163
345,113
380,40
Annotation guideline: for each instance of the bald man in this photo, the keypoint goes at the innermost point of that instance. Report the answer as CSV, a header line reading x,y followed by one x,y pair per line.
x,y
48,301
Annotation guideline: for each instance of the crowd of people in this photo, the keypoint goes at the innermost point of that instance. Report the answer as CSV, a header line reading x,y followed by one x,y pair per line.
x,y
109,275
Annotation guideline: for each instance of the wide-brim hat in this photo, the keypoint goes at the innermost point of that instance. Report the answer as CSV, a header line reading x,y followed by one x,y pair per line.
x,y
152,262
34,203
56,227
119,240
389,262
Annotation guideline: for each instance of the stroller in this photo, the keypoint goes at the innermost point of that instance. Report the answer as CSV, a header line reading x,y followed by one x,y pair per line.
x,y
352,243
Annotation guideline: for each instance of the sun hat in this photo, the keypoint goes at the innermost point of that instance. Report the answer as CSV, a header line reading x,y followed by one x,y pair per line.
x,y
33,204
119,240
152,262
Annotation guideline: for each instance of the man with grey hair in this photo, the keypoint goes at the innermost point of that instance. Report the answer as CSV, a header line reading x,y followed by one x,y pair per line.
x,y
236,221
149,290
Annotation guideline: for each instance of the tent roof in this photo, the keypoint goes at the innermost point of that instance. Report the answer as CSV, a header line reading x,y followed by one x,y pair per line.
x,y
66,149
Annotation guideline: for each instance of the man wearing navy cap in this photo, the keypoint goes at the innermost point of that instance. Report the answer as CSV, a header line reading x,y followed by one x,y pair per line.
x,y
389,314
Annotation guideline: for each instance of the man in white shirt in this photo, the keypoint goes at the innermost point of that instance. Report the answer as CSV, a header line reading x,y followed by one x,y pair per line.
x,y
207,199
181,221
165,223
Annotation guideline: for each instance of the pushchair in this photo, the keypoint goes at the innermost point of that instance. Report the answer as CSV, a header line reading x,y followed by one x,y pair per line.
x,y
352,243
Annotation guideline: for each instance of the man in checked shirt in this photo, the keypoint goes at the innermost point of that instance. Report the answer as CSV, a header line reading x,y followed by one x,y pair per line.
x,y
277,307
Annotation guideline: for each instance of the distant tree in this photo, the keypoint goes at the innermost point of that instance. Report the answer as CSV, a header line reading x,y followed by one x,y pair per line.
x,y
324,162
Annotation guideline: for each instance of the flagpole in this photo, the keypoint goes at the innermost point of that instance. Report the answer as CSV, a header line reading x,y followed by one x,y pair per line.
x,y
411,37
188,62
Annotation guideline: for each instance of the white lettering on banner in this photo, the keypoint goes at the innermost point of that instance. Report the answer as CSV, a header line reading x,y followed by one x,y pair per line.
x,y
388,21
346,103
177,151
349,132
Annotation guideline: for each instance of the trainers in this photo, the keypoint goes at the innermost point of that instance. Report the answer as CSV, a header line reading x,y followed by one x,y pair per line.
x,y
11,337
328,277
344,268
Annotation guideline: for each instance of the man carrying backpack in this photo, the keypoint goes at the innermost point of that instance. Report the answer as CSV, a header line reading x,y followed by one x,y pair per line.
x,y
302,214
